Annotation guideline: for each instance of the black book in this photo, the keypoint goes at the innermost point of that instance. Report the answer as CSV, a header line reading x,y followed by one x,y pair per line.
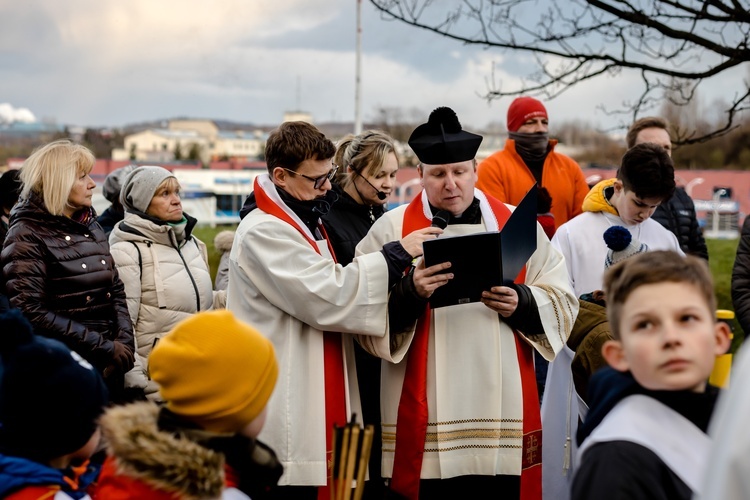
x,y
483,260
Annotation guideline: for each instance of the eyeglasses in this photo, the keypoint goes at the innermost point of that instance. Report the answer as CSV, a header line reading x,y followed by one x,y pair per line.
x,y
320,180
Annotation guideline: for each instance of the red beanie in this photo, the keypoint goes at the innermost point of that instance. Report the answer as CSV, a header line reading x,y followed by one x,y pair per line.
x,y
522,109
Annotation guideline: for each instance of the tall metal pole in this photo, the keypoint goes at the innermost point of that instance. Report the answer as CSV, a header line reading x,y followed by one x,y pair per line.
x,y
357,78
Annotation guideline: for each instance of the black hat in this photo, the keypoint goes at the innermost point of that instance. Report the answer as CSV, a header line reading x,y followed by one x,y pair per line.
x,y
50,397
441,140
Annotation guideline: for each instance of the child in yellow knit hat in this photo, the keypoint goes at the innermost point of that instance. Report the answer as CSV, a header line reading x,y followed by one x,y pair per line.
x,y
216,375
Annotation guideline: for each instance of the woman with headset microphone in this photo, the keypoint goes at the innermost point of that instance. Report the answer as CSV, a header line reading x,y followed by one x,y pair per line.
x,y
366,178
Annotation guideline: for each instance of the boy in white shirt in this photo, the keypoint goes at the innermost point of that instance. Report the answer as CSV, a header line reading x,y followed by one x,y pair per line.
x,y
644,180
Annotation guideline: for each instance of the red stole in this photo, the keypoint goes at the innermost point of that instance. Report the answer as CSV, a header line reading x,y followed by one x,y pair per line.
x,y
411,423
333,355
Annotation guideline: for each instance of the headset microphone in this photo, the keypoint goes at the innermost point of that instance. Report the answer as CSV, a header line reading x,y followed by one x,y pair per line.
x,y
380,194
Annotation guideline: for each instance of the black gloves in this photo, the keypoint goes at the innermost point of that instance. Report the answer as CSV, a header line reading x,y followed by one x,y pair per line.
x,y
123,359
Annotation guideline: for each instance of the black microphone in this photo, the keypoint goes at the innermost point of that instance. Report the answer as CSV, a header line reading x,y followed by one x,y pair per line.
x,y
380,194
440,219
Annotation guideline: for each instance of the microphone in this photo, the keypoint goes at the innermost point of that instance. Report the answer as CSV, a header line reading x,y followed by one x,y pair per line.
x,y
440,219
380,194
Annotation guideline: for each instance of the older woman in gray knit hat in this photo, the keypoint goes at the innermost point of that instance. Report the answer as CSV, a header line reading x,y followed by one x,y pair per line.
x,y
163,266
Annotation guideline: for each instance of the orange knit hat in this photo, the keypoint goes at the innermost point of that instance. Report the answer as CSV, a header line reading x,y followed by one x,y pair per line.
x,y
215,371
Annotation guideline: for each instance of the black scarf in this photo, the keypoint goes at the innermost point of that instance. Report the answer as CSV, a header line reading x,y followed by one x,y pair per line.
x,y
533,150
309,211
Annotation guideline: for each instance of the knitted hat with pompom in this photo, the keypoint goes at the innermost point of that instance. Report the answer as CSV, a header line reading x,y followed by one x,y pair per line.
x,y
621,245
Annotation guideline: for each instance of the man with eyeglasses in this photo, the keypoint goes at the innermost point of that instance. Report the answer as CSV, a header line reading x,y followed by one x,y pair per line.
x,y
284,280
460,414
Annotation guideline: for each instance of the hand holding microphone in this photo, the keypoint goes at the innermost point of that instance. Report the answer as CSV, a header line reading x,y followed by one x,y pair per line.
x,y
427,280
412,243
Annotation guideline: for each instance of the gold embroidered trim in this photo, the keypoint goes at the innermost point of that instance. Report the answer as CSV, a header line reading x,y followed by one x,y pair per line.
x,y
467,421
556,301
463,434
432,437
465,447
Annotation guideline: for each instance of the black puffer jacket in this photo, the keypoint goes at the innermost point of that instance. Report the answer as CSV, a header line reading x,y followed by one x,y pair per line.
x,y
741,279
347,223
678,215
61,275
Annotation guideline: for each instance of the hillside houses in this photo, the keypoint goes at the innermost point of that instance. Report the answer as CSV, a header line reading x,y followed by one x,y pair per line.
x,y
191,139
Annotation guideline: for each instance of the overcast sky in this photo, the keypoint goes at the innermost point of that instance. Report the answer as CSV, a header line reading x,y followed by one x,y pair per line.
x,y
114,62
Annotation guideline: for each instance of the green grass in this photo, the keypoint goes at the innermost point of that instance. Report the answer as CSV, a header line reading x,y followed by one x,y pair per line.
x,y
721,259
206,234
721,255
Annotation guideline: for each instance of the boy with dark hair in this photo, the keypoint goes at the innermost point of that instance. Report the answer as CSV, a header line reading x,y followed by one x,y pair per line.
x,y
645,179
50,400
645,435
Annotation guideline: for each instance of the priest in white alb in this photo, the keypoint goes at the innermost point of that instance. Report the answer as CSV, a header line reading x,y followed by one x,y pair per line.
x,y
460,412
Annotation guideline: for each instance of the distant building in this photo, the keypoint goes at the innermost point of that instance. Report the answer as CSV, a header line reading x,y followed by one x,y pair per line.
x,y
159,145
205,128
298,116
239,145
162,144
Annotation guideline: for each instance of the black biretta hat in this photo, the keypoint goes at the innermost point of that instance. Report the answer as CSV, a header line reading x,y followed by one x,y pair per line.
x,y
441,140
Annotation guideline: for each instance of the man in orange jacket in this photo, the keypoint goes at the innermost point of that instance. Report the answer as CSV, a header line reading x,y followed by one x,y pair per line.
x,y
529,156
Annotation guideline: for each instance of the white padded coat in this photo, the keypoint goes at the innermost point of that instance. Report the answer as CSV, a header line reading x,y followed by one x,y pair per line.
x,y
165,281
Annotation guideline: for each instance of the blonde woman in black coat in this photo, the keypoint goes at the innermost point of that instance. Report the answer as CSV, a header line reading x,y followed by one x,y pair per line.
x,y
57,266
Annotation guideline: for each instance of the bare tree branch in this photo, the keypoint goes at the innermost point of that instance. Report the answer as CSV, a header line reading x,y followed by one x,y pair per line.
x,y
675,45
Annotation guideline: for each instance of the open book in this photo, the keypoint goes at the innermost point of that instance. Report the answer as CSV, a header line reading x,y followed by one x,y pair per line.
x,y
483,260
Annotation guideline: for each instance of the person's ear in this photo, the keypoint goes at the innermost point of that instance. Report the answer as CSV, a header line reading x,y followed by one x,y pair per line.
x,y
722,333
614,354
278,176
619,186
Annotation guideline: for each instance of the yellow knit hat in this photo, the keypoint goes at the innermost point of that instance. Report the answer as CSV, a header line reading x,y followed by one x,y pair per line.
x,y
215,371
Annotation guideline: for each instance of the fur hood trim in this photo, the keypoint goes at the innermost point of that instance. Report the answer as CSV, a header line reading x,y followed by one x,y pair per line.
x,y
223,240
160,459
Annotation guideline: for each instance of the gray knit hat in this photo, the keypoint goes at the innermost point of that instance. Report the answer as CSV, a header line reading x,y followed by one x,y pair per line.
x,y
139,187
113,182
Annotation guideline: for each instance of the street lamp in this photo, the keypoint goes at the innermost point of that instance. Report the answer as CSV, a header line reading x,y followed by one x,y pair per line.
x,y
717,195
693,182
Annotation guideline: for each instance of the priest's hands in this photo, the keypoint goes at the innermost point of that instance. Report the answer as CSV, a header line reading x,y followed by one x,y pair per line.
x,y
427,280
501,299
